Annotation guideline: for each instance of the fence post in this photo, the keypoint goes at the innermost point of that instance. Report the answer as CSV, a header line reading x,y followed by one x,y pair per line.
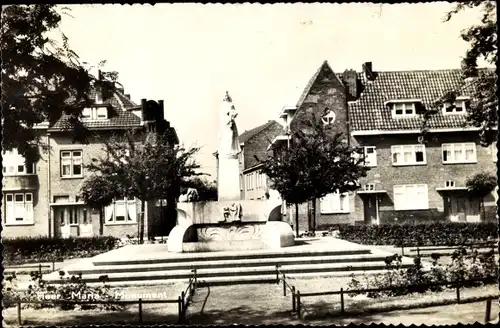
x,y
179,307
418,251
182,297
284,285
53,265
40,269
277,275
487,314
402,249
19,313
293,299
195,278
458,294
298,303
140,310
342,300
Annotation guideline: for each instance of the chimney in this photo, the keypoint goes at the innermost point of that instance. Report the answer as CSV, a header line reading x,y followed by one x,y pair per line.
x,y
128,96
368,71
161,113
144,110
350,79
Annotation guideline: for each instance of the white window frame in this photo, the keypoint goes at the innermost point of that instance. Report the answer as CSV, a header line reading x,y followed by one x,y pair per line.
x,y
404,107
130,208
335,203
459,103
329,117
13,206
71,160
449,183
13,164
402,149
453,147
373,161
406,197
95,114
369,187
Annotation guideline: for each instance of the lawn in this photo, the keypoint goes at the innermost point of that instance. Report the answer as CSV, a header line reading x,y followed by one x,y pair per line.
x,y
265,304
152,313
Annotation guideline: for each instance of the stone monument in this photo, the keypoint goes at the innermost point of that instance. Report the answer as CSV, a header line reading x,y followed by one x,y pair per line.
x,y
229,223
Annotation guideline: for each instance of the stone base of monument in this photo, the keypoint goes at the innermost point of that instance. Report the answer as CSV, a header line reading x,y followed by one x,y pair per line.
x,y
228,225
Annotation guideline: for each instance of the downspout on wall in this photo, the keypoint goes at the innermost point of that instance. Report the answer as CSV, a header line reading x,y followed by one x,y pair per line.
x,y
49,211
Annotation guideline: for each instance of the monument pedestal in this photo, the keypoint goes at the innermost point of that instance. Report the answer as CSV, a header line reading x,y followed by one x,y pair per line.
x,y
205,226
228,183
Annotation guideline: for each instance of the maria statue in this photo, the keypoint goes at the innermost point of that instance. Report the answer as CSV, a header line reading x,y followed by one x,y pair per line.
x,y
229,144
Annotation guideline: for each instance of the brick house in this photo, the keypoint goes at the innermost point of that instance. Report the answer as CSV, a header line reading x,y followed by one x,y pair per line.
x,y
408,181
254,143
42,199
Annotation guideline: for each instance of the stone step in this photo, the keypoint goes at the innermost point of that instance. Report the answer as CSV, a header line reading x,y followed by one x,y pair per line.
x,y
110,259
236,272
233,280
102,269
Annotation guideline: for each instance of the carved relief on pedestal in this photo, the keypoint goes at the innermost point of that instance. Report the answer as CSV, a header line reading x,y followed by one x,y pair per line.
x,y
231,213
233,232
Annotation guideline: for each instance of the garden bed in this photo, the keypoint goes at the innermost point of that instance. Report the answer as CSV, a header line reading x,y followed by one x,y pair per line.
x,y
431,234
44,249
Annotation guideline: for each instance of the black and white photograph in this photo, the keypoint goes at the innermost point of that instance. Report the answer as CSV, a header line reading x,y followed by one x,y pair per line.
x,y
256,164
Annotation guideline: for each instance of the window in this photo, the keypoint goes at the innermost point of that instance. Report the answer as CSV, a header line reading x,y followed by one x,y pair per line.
x,y
459,153
408,155
369,186
329,118
335,203
72,215
71,163
371,156
411,197
14,164
18,208
449,184
403,109
458,107
93,114
121,211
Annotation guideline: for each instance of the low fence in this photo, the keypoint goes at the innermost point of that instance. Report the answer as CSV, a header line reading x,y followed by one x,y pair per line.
x,y
297,296
419,249
182,302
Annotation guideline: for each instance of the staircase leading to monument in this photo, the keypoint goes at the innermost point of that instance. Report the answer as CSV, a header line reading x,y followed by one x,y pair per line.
x,y
151,264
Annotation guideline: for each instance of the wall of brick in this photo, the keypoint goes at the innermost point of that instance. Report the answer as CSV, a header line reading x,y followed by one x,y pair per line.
x,y
40,226
434,173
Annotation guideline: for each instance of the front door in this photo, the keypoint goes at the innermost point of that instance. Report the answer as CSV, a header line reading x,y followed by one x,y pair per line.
x,y
464,209
370,209
73,221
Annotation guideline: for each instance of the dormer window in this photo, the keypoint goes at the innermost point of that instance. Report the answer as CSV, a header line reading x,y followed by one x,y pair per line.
x,y
403,109
458,107
94,114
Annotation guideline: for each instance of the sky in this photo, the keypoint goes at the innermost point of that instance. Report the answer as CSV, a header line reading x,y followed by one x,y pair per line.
x,y
189,54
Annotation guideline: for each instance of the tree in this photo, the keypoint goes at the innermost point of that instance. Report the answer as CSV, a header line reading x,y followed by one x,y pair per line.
x,y
207,190
317,163
480,186
481,83
146,171
41,79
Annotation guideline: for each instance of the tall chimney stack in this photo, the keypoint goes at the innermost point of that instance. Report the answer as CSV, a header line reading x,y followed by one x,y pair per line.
x,y
368,71
350,79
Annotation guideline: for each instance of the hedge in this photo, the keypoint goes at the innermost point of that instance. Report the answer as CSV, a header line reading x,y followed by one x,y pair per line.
x,y
431,234
45,249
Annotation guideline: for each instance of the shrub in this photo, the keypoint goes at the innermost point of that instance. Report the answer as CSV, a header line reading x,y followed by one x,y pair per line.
x,y
430,234
465,266
45,249
71,289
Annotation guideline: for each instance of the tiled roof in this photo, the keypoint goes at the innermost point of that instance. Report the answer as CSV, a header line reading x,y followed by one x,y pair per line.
x,y
370,112
119,116
247,135
120,120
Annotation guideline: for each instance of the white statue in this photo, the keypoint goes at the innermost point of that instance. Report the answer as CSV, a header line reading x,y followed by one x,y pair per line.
x,y
229,144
